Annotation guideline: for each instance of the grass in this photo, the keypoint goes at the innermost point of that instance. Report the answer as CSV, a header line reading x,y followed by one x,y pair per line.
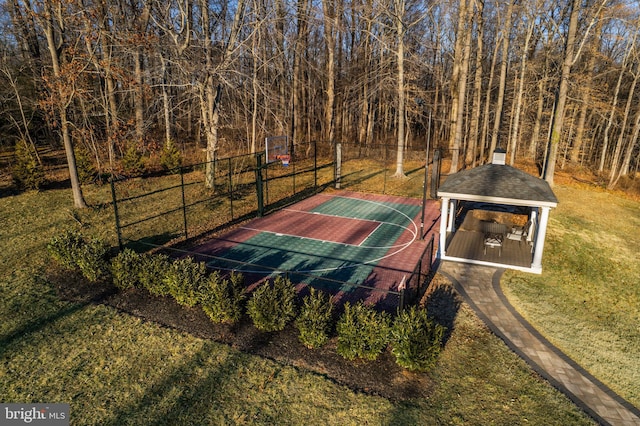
x,y
114,368
587,301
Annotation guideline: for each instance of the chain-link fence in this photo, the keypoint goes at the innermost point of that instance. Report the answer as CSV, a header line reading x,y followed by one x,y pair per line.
x,y
183,203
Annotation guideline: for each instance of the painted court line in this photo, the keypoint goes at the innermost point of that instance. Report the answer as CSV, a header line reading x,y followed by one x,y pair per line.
x,y
293,223
279,226
370,234
413,232
282,234
334,215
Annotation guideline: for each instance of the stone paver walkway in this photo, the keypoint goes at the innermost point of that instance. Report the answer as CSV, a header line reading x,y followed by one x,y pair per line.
x,y
480,287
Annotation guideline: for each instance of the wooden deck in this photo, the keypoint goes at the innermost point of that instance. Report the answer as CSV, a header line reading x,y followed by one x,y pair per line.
x,y
470,245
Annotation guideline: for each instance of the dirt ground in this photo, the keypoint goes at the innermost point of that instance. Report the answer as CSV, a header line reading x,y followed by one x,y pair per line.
x,y
381,377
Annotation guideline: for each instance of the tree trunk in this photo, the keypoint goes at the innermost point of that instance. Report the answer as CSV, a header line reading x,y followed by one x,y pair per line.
x,y
166,104
615,160
297,92
454,88
474,126
138,94
558,113
464,25
537,124
63,102
633,142
255,85
363,125
212,92
487,104
614,106
328,9
518,103
586,90
503,78
399,14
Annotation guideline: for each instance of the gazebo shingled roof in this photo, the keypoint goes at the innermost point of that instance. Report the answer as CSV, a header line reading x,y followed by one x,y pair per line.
x,y
498,183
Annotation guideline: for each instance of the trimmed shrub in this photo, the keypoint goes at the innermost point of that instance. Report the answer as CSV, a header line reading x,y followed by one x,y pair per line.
x,y
126,269
222,299
27,172
362,332
314,320
272,305
153,270
73,251
93,259
132,162
185,278
65,247
171,158
416,341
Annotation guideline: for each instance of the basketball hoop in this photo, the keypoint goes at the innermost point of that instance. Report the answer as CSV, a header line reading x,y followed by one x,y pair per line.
x,y
276,147
284,159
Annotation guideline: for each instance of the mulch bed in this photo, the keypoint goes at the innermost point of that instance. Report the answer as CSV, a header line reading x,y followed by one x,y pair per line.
x,y
381,377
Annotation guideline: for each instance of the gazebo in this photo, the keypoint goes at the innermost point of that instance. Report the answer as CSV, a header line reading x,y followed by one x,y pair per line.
x,y
484,212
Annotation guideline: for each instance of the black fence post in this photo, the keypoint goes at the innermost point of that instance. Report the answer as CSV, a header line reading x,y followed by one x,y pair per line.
x,y
435,174
265,181
292,162
259,188
184,204
424,194
384,168
230,190
419,286
315,165
115,212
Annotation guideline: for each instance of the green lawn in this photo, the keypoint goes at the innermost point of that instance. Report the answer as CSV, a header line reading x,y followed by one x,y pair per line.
x,y
114,368
587,300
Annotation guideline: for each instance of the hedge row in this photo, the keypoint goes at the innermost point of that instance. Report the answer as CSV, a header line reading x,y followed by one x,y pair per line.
x,y
362,332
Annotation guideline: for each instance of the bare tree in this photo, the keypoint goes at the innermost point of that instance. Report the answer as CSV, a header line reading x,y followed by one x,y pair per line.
x,y
561,99
614,174
459,80
506,29
211,87
398,15
298,89
474,126
329,24
614,104
586,94
569,59
62,84
515,135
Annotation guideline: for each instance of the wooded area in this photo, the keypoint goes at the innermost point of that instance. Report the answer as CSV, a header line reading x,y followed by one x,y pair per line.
x,y
551,81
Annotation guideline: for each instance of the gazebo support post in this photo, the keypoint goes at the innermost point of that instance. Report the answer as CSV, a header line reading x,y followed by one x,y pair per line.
x,y
540,236
451,223
443,227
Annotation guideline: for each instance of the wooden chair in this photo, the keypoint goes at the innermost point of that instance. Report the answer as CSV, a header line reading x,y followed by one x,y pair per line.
x,y
493,241
493,235
519,233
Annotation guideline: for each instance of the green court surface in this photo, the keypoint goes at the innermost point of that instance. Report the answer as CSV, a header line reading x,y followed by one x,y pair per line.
x,y
310,259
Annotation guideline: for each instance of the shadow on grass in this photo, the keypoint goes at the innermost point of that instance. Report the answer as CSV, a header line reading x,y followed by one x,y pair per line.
x,y
145,243
182,393
72,289
348,179
443,304
36,325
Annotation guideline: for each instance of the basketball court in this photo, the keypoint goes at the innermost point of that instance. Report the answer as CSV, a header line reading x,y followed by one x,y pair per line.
x,y
355,246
